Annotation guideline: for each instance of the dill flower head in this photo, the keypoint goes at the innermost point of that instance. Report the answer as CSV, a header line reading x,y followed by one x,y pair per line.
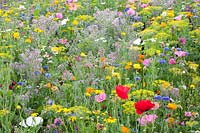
x,y
128,107
110,120
142,94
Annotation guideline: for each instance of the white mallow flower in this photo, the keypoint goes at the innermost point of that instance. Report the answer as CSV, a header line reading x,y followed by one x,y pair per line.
x,y
164,14
22,7
31,121
137,41
64,21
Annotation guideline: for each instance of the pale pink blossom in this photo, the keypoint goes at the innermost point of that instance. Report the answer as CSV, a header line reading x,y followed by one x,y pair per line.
x,y
147,119
101,97
179,17
131,12
180,53
182,40
72,6
188,114
146,62
59,15
144,5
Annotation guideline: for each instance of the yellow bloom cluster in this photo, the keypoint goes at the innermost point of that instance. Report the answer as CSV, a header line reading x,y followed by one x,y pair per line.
x,y
141,93
110,120
163,84
4,112
128,107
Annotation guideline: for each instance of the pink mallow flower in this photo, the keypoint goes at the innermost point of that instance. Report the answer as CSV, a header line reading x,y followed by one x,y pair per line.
x,y
101,97
172,61
59,15
131,12
180,53
188,114
146,62
147,119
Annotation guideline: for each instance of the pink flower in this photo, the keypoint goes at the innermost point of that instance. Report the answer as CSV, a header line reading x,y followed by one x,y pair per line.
x,y
144,5
172,61
147,119
72,6
101,97
178,17
146,62
182,40
59,15
131,12
180,53
196,0
188,114
62,41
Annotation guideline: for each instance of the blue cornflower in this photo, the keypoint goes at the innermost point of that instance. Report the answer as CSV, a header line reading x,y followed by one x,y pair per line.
x,y
162,61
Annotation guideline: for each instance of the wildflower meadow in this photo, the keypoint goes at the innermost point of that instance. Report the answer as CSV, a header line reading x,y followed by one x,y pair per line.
x,y
99,66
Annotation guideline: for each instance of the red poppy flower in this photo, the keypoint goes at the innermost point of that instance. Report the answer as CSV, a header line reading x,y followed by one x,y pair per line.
x,y
143,105
122,91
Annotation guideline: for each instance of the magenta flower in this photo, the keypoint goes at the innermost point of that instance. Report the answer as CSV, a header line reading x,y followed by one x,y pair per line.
x,y
180,53
144,5
182,40
147,119
59,15
172,61
179,17
146,62
101,97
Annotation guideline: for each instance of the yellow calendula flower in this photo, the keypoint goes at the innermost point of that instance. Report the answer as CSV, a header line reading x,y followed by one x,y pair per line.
x,y
34,114
16,35
137,66
82,54
54,88
172,106
110,120
38,30
72,118
192,86
18,107
108,77
75,22
28,40
123,33
117,75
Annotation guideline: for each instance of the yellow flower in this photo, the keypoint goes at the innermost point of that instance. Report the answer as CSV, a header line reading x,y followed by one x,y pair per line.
x,y
34,114
125,129
171,120
16,35
137,66
18,107
4,112
110,120
128,107
28,40
192,86
75,22
123,33
72,118
172,106
7,20
38,30
54,88
108,77
115,74
82,54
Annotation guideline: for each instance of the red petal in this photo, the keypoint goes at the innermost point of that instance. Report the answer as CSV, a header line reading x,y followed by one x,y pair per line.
x,y
122,91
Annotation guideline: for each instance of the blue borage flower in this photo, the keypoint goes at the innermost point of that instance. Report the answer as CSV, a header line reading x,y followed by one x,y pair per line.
x,y
162,61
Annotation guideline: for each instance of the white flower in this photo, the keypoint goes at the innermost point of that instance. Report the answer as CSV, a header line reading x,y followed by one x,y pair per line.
x,y
164,14
21,7
31,121
64,21
137,41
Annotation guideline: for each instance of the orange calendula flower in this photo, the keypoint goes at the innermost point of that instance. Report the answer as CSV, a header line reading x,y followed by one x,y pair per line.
x,y
125,129
172,106
89,90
